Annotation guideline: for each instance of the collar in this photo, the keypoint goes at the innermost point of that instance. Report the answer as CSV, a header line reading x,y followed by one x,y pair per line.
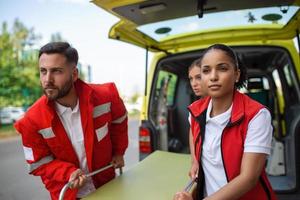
x,y
62,109
198,107
220,119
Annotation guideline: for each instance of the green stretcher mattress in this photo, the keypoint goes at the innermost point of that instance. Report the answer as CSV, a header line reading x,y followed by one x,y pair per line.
x,y
159,176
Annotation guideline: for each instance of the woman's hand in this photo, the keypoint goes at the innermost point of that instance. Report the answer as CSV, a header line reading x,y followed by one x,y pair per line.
x,y
193,173
195,165
182,196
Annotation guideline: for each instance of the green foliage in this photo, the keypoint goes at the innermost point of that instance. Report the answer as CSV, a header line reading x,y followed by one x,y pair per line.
x,y
56,37
19,77
7,131
134,98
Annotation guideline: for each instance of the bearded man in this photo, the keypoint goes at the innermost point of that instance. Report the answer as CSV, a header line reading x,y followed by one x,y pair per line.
x,y
74,128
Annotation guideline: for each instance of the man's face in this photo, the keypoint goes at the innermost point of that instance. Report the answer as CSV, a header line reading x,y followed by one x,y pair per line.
x,y
56,75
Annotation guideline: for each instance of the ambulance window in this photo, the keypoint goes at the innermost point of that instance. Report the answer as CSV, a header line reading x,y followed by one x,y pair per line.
x,y
166,85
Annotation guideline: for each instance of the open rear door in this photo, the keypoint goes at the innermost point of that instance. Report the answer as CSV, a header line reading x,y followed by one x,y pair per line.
x,y
136,13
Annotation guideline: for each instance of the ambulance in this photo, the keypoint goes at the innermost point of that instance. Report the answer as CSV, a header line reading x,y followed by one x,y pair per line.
x,y
265,35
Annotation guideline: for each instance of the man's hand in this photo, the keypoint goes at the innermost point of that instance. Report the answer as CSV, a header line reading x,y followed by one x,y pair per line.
x,y
182,196
77,179
118,161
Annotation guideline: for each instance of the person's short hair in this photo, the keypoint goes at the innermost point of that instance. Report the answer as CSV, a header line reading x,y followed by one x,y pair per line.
x,y
62,48
195,63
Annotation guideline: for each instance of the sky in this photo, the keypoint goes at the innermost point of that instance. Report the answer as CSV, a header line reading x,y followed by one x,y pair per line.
x,y
85,26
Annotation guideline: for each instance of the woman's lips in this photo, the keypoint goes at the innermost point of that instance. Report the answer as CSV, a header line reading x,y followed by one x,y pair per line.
x,y
214,86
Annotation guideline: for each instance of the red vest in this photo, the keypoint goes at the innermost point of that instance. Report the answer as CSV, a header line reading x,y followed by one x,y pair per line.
x,y
232,141
48,150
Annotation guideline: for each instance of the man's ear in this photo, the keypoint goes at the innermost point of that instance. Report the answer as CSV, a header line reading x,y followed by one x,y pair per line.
x,y
75,74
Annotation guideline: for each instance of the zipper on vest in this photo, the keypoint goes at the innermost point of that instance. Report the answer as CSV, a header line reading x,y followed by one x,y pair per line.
x,y
221,146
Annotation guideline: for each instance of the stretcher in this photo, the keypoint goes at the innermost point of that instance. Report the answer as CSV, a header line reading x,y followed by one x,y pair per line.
x,y
159,176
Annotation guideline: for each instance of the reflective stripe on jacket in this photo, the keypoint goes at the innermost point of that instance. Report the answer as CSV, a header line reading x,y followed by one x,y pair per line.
x,y
232,142
48,150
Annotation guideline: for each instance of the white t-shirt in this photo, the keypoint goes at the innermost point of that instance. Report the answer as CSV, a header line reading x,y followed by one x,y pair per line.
x,y
258,140
71,121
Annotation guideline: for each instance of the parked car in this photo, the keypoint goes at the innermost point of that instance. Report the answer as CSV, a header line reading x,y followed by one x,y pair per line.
x,y
265,35
9,115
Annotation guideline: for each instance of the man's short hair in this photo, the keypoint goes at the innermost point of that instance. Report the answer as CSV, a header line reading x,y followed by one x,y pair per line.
x,y
63,48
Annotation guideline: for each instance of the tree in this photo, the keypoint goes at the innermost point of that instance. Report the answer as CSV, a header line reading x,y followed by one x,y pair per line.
x,y
19,77
56,37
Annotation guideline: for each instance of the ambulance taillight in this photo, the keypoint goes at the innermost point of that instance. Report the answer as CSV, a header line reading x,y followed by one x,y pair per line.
x,y
144,140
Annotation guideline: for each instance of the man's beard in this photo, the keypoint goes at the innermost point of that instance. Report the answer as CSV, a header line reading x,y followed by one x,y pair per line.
x,y
61,92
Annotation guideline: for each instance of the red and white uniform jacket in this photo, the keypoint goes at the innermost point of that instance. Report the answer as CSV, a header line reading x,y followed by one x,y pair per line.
x,y
232,142
48,150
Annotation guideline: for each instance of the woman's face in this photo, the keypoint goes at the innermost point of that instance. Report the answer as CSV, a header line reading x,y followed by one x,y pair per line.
x,y
218,74
195,80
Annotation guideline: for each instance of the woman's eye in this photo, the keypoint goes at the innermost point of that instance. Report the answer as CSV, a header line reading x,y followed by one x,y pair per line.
x,y
223,68
205,71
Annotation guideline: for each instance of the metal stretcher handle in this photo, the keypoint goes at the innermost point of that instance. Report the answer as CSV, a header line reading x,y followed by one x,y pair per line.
x,y
190,184
67,186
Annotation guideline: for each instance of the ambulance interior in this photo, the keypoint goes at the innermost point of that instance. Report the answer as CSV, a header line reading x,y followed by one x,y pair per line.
x,y
272,81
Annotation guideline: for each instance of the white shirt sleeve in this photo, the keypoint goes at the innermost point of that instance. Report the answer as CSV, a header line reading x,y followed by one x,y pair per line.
x,y
190,118
259,134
